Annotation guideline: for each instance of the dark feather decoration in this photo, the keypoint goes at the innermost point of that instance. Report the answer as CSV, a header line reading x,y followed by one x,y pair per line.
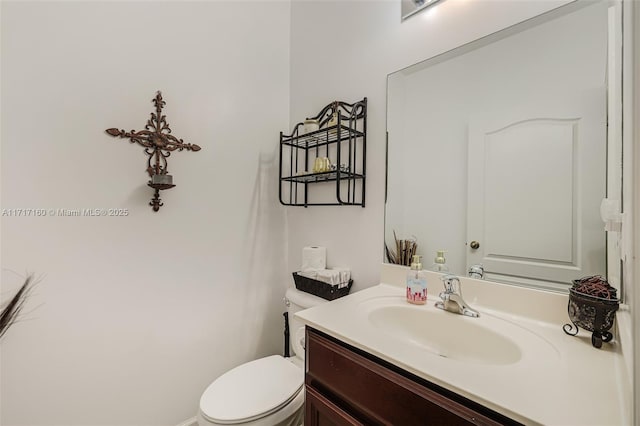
x,y
11,311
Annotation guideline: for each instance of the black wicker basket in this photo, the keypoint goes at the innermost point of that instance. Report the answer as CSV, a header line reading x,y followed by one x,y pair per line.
x,y
594,314
320,288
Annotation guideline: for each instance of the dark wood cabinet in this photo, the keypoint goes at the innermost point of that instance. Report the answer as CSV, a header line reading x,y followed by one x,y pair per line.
x,y
347,386
320,411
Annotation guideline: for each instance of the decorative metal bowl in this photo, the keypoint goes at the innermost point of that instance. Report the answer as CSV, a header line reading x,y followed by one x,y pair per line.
x,y
595,314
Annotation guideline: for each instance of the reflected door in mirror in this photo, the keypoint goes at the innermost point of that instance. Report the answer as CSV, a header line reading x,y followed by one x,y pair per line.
x,y
526,197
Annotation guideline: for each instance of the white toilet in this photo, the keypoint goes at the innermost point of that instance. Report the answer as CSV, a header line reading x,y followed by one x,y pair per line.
x,y
268,391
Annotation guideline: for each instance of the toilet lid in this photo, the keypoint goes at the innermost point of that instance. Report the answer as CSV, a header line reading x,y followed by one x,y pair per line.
x,y
252,390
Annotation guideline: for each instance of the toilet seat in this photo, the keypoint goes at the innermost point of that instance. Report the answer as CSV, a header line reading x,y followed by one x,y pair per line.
x,y
252,391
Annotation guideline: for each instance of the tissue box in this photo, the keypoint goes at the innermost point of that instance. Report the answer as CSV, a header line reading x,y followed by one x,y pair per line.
x,y
320,288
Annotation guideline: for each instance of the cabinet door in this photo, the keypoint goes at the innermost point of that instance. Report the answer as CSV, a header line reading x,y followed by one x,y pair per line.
x,y
319,411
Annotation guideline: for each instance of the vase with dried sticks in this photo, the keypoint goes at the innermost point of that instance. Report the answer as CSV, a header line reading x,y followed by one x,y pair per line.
x,y
404,251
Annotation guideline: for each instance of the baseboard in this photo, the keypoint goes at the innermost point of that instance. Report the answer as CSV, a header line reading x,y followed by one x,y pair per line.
x,y
189,422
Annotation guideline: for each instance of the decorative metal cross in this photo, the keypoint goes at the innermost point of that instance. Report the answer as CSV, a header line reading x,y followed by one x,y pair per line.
x,y
158,143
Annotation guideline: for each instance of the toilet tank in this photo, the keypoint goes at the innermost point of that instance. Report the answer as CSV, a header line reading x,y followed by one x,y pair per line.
x,y
297,300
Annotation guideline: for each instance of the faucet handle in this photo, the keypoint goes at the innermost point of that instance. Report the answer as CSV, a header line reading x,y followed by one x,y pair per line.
x,y
451,283
476,271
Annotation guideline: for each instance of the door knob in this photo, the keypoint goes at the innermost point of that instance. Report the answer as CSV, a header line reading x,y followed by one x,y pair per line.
x,y
474,245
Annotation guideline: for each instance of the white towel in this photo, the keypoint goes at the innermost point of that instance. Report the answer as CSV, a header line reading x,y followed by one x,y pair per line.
x,y
338,276
313,274
345,274
329,276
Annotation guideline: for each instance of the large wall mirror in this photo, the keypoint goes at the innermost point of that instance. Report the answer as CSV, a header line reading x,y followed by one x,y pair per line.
x,y
512,142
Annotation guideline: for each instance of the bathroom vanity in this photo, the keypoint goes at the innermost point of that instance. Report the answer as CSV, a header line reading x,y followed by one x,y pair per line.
x,y
372,358
345,385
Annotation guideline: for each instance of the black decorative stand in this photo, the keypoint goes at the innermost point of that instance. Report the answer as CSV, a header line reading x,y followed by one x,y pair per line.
x,y
592,313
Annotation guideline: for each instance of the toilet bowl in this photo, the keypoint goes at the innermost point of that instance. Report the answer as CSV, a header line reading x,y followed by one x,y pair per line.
x,y
265,392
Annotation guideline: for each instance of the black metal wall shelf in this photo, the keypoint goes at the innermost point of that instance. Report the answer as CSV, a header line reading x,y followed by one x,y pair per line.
x,y
321,137
342,138
322,177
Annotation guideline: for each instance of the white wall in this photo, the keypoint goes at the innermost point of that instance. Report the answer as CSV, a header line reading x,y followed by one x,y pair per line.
x,y
344,50
134,316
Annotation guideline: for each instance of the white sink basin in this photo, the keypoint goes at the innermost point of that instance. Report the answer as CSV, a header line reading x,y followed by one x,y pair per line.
x,y
486,340
454,336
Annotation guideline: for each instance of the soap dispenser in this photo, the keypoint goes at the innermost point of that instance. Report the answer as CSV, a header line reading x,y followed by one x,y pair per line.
x,y
416,283
440,263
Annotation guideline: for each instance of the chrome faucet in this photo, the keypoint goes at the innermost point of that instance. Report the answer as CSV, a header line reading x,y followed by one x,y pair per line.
x,y
452,300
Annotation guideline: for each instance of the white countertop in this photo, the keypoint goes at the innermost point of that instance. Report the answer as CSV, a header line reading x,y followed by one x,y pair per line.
x,y
558,380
